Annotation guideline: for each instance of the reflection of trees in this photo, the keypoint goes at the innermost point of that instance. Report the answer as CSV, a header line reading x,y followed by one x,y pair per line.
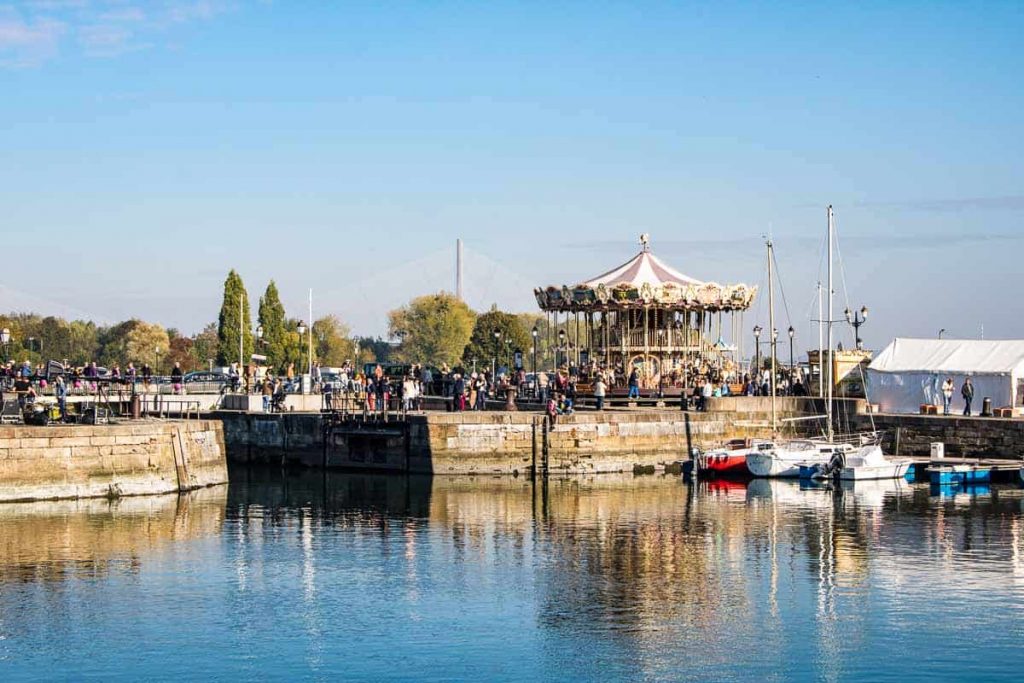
x,y
54,540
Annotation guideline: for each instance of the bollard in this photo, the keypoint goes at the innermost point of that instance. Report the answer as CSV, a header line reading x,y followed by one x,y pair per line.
x,y
136,407
986,407
510,399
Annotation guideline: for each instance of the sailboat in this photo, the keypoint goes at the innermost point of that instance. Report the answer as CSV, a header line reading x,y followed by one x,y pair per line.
x,y
818,457
733,458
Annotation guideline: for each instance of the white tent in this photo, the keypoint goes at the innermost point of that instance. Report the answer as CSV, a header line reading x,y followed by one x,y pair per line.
x,y
910,372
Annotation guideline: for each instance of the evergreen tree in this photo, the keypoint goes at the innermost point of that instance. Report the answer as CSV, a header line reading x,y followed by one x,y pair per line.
x,y
275,332
228,323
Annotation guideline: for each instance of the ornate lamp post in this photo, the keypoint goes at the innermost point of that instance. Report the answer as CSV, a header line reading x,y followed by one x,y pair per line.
x,y
497,350
302,329
757,350
858,318
561,343
536,380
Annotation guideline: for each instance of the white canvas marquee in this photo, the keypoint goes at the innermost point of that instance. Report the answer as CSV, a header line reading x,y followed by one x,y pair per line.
x,y
910,372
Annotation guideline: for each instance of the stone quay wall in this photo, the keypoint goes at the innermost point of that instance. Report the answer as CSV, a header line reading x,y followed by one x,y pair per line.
x,y
967,437
499,442
55,462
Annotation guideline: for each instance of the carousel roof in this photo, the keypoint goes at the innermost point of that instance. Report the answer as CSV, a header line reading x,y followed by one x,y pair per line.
x,y
644,268
644,280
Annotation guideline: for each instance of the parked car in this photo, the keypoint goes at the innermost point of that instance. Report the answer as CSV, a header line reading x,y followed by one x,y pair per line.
x,y
205,380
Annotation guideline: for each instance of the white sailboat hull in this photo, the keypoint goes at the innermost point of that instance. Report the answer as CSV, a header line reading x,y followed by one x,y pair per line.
x,y
785,460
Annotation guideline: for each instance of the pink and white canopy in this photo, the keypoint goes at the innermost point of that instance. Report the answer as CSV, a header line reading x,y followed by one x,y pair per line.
x,y
643,268
645,281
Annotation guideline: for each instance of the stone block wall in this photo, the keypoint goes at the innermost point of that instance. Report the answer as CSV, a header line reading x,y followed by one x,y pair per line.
x,y
40,463
968,437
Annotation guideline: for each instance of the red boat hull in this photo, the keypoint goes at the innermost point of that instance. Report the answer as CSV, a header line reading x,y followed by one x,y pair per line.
x,y
726,463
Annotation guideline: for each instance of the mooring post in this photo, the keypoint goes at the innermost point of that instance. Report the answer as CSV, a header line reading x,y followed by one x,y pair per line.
x,y
689,437
533,466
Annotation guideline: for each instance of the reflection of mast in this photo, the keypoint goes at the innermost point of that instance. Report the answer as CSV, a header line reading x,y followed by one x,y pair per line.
x,y
773,537
826,590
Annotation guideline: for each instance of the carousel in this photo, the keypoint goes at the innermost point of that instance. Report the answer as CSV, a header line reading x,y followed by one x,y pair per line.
x,y
649,316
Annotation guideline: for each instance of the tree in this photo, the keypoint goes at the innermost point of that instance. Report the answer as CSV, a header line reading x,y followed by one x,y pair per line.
x,y
275,331
204,346
332,341
235,297
134,341
180,351
483,346
295,351
373,349
432,329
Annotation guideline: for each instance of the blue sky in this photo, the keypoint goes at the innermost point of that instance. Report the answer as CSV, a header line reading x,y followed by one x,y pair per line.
x,y
148,147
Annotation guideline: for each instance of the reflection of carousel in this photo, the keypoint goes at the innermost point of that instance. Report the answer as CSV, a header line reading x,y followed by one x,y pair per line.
x,y
647,315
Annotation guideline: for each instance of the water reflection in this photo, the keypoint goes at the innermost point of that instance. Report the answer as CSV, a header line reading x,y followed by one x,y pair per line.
x,y
49,541
377,577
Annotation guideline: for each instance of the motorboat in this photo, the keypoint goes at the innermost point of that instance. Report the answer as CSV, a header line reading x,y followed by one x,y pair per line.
x,y
862,463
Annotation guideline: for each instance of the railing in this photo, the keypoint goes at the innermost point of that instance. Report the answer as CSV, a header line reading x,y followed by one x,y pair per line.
x,y
656,339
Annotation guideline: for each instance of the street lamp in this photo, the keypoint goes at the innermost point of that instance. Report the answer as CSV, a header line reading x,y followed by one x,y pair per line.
x,y
941,332
757,349
534,333
792,366
156,350
259,333
561,343
497,350
309,358
5,339
857,319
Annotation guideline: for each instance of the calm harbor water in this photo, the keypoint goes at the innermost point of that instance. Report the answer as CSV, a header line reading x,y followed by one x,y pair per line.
x,y
361,577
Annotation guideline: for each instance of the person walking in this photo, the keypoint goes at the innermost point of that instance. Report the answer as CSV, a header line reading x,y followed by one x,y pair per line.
x,y
947,395
634,384
600,389
706,392
177,378
60,390
408,393
967,391
459,393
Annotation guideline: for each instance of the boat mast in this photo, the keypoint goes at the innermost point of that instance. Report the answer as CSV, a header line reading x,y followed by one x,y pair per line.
x,y
821,358
771,326
831,361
